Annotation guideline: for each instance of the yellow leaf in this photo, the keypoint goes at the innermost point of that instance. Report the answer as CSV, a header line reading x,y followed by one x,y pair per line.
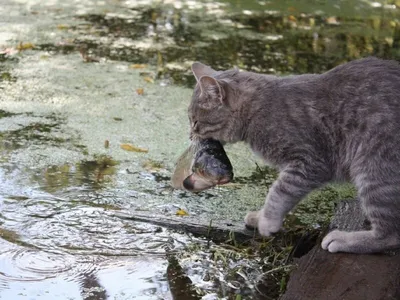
x,y
149,79
332,21
129,147
62,26
140,91
25,46
138,66
181,212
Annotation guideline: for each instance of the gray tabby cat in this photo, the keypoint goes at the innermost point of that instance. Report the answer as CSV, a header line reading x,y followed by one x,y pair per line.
x,y
340,125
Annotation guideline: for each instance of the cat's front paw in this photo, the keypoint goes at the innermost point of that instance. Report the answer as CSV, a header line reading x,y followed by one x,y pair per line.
x,y
334,241
265,226
251,219
365,241
353,242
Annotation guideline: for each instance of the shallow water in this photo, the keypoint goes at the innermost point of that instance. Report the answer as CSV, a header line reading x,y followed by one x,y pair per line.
x,y
69,80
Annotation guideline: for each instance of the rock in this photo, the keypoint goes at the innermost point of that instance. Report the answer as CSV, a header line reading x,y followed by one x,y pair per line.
x,y
321,275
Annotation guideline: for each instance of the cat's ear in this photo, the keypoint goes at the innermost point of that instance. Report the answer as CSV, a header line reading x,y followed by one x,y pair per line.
x,y
199,70
213,88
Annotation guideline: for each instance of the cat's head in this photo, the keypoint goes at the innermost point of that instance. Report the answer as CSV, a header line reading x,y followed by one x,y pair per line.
x,y
213,110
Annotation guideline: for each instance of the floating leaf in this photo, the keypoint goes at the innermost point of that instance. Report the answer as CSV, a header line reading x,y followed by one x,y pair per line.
x,y
62,26
129,147
106,143
332,21
140,91
149,79
138,66
25,46
117,119
181,212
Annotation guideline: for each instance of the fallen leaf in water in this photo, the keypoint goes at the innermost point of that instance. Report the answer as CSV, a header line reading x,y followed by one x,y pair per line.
x,y
292,18
181,212
62,26
137,66
25,46
149,79
129,147
106,143
332,21
140,91
117,119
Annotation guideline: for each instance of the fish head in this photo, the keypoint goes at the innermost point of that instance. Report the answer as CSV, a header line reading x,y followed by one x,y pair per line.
x,y
208,171
214,170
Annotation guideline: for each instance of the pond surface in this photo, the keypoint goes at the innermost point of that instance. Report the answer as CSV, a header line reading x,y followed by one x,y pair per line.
x,y
78,79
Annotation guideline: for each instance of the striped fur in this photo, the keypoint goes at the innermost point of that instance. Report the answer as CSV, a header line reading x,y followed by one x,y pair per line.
x,y
316,128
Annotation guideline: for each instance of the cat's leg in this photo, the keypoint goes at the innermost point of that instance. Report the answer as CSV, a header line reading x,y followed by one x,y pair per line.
x,y
290,187
380,199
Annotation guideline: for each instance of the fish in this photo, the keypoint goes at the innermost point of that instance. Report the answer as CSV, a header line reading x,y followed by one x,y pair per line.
x,y
203,165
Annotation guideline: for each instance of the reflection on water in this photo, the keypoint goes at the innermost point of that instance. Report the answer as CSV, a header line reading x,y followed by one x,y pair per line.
x,y
57,241
269,37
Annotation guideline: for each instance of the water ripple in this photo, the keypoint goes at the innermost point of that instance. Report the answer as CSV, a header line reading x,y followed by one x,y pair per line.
x,y
22,264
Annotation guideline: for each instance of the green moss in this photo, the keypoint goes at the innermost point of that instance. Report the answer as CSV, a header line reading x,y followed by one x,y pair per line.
x,y
5,114
152,165
6,76
35,133
317,209
103,160
12,237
